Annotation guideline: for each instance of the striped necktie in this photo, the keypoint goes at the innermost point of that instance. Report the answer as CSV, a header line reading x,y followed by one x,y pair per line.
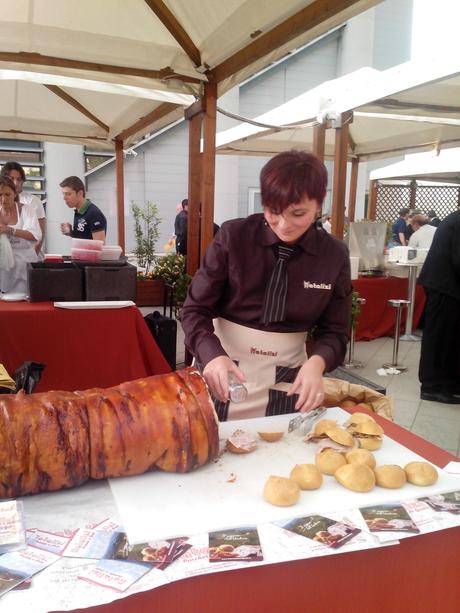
x,y
274,307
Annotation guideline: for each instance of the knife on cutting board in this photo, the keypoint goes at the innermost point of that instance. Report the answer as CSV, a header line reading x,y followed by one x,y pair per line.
x,y
305,419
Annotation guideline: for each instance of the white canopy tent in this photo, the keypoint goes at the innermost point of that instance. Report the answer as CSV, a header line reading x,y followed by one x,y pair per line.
x,y
441,168
412,107
146,50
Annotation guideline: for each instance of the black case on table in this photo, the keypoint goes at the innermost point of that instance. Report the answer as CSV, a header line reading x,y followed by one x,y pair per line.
x,y
110,281
55,281
164,331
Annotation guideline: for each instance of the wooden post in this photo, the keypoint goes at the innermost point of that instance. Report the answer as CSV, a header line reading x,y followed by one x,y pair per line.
x,y
209,166
353,189
372,200
195,115
340,177
413,193
120,189
319,138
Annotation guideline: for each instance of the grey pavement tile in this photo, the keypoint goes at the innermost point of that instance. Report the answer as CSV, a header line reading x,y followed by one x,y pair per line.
x,y
440,431
406,412
440,411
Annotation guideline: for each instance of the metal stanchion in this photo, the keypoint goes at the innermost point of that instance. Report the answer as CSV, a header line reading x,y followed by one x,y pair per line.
x,y
351,362
398,304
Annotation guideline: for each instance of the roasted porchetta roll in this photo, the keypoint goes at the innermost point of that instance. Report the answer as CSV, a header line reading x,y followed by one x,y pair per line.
x,y
57,440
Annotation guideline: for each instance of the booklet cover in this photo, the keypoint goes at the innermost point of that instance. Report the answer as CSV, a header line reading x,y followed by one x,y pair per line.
x,y
17,566
388,518
448,502
100,544
238,544
322,529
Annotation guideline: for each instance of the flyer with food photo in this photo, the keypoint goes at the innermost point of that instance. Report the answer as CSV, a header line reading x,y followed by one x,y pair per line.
x,y
324,530
448,502
388,518
239,544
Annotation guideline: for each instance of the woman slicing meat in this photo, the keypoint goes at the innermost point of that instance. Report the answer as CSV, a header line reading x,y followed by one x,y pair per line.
x,y
265,281
19,223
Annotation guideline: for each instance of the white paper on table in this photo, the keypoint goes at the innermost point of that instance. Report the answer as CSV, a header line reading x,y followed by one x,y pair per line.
x,y
453,468
160,505
95,304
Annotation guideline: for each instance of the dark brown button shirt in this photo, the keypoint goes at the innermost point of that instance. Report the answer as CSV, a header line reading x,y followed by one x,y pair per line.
x,y
235,271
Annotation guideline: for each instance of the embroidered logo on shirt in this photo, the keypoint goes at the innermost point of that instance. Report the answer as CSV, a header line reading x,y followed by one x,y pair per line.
x,y
81,225
310,285
255,351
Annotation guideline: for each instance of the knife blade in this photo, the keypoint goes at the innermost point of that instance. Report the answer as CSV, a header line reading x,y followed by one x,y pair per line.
x,y
305,419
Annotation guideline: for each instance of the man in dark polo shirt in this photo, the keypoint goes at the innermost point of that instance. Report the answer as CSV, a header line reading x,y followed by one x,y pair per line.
x,y
89,222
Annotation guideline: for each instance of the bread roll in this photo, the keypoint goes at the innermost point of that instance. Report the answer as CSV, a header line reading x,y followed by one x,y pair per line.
x,y
421,473
307,476
355,477
329,460
281,492
390,476
360,456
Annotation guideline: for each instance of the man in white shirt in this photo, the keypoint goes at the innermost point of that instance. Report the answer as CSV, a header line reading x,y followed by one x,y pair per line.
x,y
16,173
423,234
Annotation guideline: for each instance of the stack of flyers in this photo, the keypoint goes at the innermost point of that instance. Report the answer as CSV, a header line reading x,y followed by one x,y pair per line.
x,y
55,542
324,530
235,545
18,566
12,535
389,518
448,502
102,545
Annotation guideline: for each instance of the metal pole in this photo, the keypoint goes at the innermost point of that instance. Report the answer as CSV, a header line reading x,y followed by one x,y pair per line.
x,y
412,282
398,304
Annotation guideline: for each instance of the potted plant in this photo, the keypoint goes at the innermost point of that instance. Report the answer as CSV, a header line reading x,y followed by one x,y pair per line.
x,y
171,269
150,291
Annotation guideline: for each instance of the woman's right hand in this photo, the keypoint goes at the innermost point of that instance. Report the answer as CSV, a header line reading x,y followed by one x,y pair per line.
x,y
216,375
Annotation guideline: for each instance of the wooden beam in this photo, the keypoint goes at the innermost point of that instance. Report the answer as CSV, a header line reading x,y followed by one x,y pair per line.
x,y
306,19
120,187
413,193
51,135
209,166
372,200
319,140
194,194
160,111
76,105
353,189
340,178
194,109
170,22
24,57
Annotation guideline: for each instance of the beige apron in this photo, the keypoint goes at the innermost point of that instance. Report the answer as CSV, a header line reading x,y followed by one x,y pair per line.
x,y
269,360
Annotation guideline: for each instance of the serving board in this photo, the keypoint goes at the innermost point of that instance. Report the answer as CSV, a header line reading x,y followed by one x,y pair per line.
x,y
228,492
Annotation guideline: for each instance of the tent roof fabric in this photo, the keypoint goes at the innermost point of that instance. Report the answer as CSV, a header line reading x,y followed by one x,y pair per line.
x,y
411,107
133,66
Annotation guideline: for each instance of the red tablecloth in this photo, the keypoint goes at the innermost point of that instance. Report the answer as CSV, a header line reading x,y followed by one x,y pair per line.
x,y
418,575
377,318
81,348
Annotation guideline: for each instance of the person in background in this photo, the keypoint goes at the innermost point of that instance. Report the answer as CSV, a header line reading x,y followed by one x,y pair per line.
x,y
180,228
440,276
265,281
409,227
19,222
433,218
327,224
16,173
423,234
89,221
398,229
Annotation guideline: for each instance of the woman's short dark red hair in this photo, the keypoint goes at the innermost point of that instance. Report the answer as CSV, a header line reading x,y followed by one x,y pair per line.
x,y
291,176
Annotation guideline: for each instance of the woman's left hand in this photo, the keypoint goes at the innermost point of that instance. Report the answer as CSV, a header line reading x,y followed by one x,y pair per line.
x,y
309,384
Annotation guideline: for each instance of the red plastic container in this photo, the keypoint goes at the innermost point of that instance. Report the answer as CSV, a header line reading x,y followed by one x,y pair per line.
x,y
86,255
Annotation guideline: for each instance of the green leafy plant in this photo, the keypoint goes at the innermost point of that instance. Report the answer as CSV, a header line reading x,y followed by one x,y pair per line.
x,y
171,268
146,231
355,309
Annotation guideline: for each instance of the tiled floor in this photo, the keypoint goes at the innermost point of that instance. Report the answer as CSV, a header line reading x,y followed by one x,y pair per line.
x,y
438,423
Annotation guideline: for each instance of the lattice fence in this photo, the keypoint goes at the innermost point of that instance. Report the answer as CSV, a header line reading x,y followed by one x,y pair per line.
x,y
392,198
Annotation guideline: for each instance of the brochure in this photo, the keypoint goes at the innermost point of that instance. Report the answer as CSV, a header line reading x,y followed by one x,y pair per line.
x,y
12,535
238,544
17,566
448,502
389,518
322,529
116,575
